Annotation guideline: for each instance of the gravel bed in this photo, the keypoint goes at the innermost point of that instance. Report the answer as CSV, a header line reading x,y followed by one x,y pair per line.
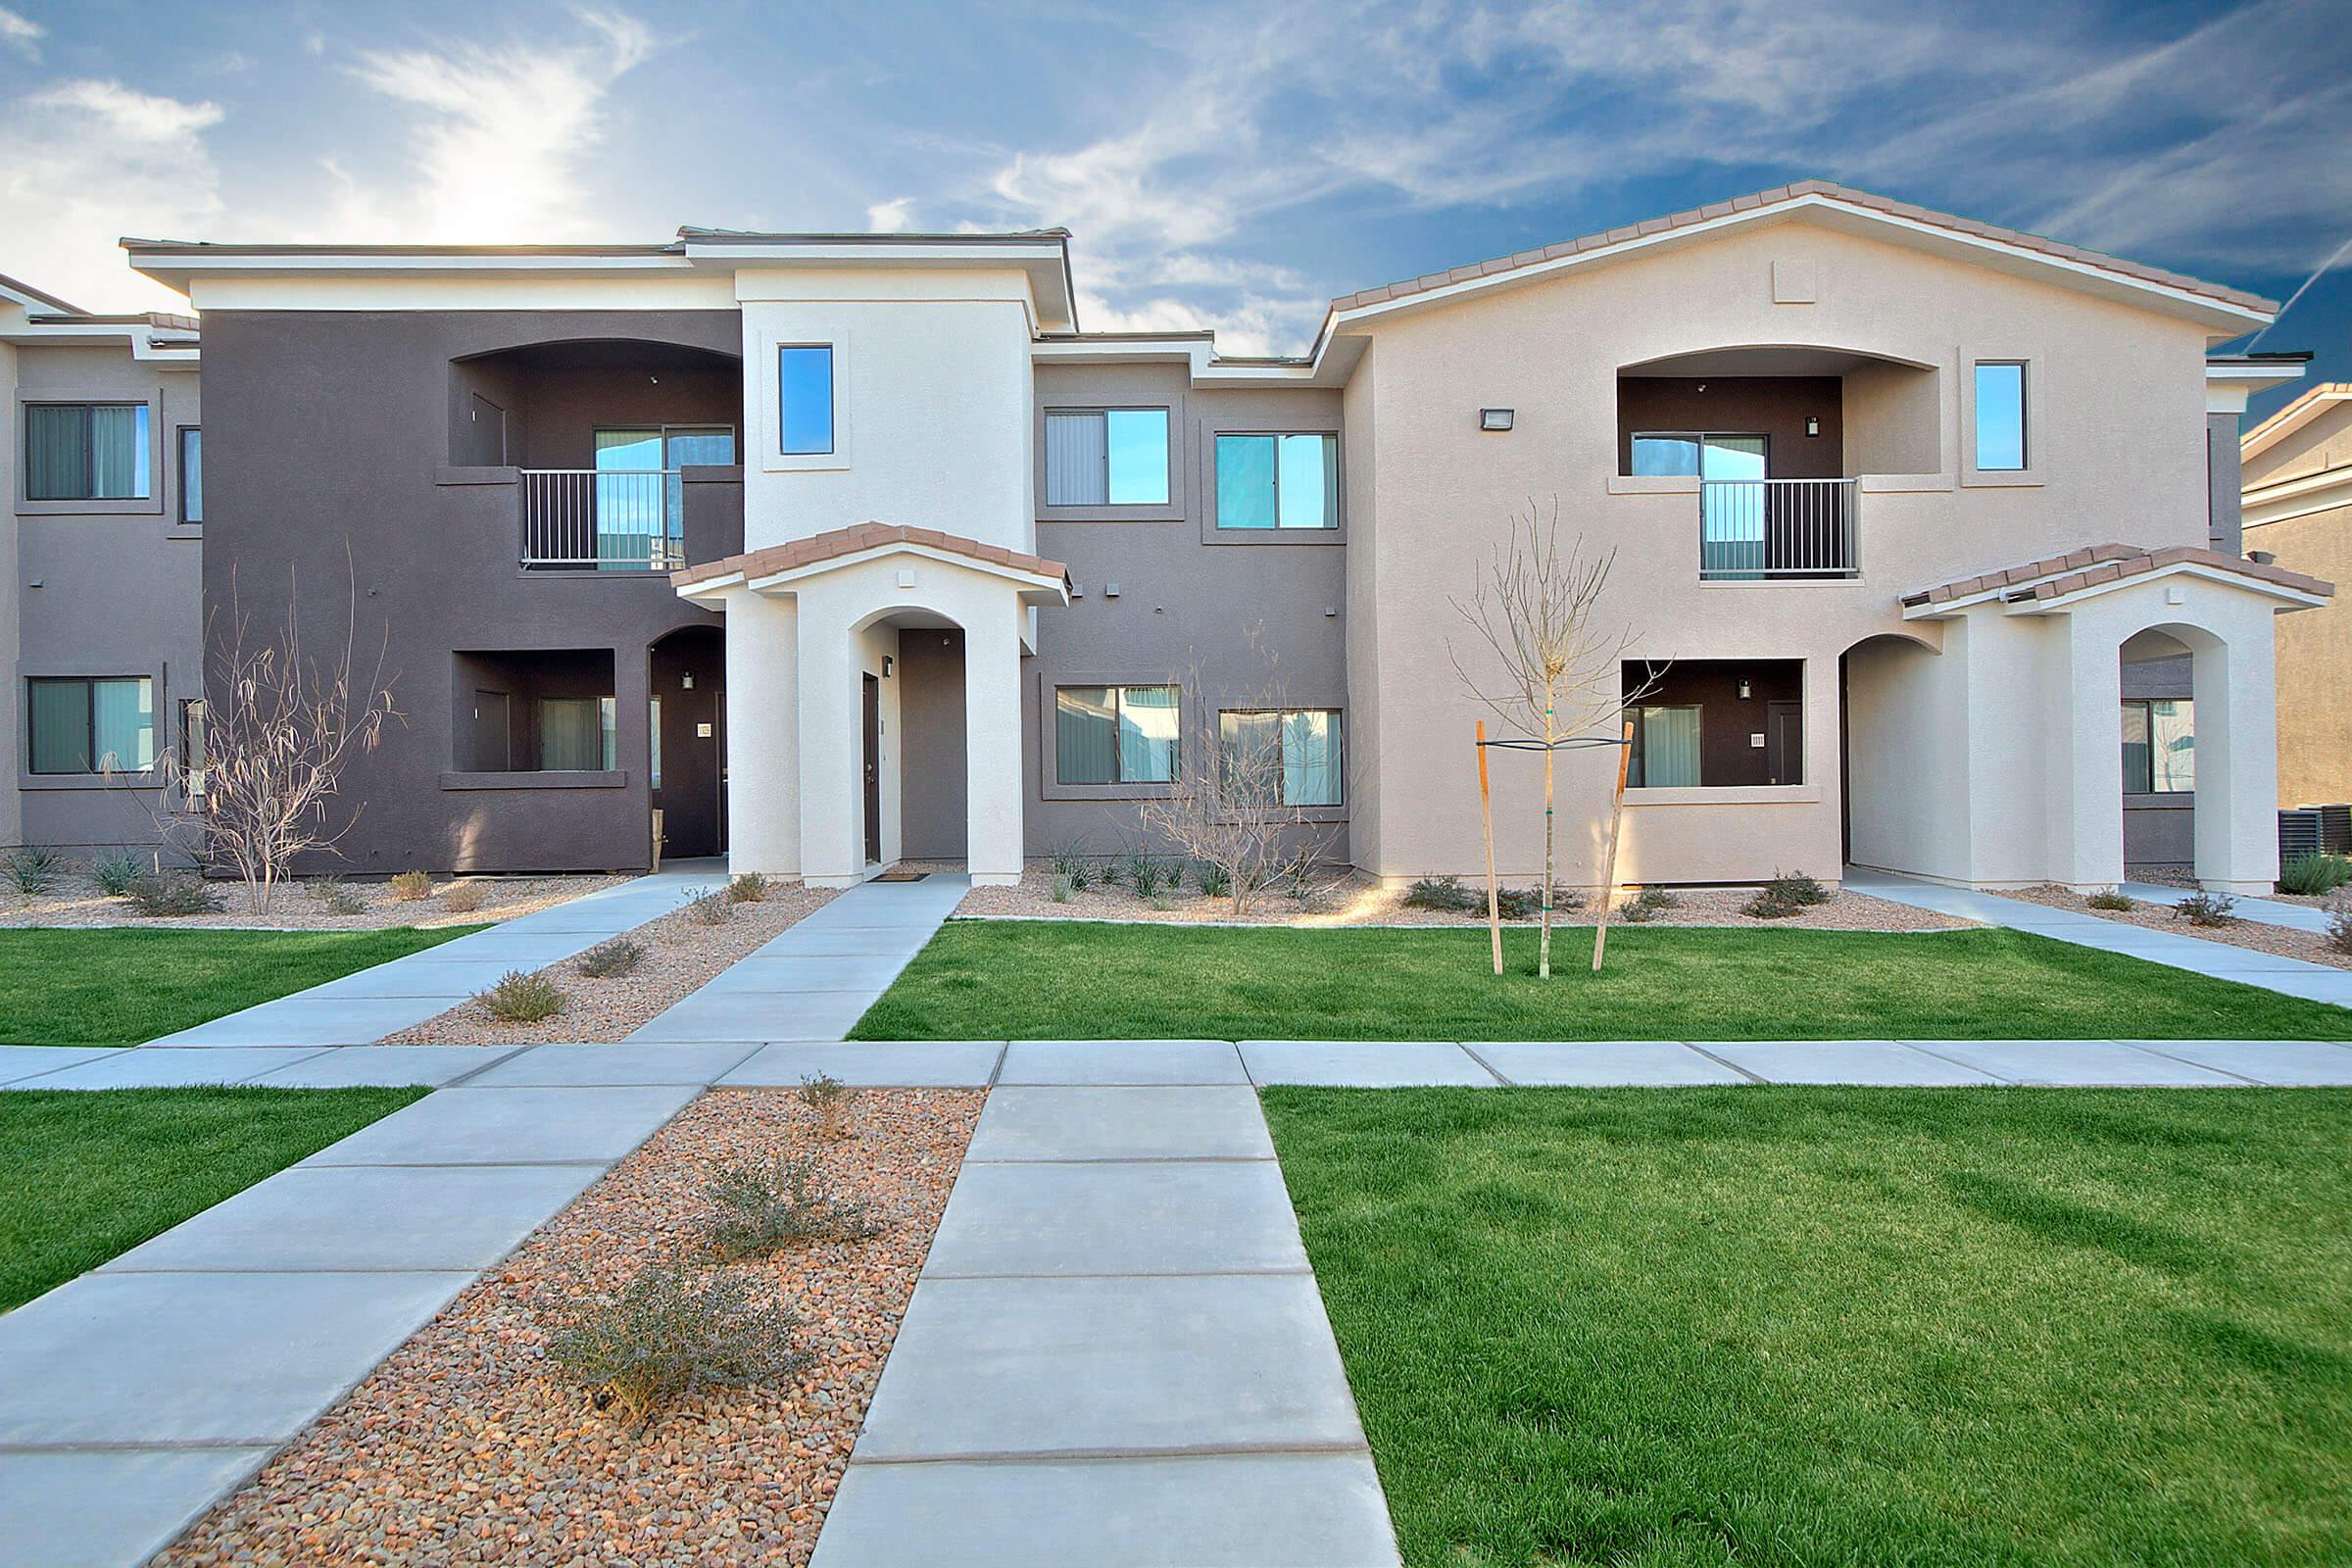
x,y
2308,946
1356,901
460,1449
78,900
681,955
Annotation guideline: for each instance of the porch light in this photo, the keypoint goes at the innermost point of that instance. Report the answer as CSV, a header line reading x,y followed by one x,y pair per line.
x,y
887,663
1494,419
1743,691
686,680
1812,426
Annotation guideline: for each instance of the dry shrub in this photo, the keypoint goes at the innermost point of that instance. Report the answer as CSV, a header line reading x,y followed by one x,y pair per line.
x,y
833,1101
521,998
464,897
748,888
712,908
410,886
178,893
758,1210
612,959
669,1333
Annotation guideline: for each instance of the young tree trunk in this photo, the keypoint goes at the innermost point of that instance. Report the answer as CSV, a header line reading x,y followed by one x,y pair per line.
x,y
1608,871
1486,812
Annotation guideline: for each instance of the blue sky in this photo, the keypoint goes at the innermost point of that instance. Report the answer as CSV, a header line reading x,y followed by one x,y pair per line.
x,y
1223,166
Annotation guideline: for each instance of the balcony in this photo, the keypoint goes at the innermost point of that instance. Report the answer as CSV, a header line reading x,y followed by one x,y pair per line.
x,y
603,519
1764,530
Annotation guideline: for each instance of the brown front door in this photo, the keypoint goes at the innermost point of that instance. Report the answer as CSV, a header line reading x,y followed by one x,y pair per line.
x,y
874,770
1785,741
492,746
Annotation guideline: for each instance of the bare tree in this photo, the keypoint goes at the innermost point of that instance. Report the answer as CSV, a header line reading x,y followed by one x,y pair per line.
x,y
1227,805
279,729
1554,677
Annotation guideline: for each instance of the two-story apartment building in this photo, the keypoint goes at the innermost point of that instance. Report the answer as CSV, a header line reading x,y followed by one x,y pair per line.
x,y
837,549
100,538
2297,471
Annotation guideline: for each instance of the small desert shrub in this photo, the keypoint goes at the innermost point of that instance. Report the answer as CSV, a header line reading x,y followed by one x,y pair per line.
x,y
521,998
1144,875
669,1333
410,886
1062,888
1770,904
1648,904
339,895
833,1101
1072,862
115,872
1795,887
178,893
1445,892
464,898
2110,898
34,869
758,1210
748,888
2340,929
710,909
2314,874
1212,880
610,959
2207,909
1161,901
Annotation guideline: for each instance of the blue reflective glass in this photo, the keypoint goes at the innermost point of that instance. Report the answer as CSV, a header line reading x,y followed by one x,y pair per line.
x,y
2001,417
804,396
1244,481
1138,443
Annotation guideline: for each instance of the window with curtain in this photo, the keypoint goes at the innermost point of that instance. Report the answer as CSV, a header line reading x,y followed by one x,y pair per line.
x,y
86,452
1278,481
1114,734
578,734
2160,746
1107,457
191,473
78,726
1665,749
805,398
1300,747
2000,405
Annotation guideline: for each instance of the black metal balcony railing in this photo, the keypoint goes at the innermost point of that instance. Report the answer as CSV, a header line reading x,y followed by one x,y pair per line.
x,y
603,519
1756,530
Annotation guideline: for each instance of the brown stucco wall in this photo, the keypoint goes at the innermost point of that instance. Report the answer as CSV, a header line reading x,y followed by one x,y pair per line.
x,y
1775,408
324,434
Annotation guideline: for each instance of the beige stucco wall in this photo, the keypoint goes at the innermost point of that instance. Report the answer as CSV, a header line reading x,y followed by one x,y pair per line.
x,y
2119,455
2315,656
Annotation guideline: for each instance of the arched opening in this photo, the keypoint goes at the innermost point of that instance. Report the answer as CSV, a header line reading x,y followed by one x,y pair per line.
x,y
916,767
1897,747
2158,681
686,742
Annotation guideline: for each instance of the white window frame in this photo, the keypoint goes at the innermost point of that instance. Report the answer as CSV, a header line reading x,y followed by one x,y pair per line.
x,y
2037,430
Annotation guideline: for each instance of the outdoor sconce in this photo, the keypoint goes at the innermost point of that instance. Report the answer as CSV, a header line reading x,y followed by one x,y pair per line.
x,y
887,663
1494,419
1743,691
1812,426
686,682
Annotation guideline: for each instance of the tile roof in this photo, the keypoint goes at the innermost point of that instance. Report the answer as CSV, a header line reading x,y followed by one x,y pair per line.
x,y
857,538
2056,576
1788,193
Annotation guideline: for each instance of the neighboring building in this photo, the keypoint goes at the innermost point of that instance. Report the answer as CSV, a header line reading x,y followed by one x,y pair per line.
x,y
955,579
2298,511
101,546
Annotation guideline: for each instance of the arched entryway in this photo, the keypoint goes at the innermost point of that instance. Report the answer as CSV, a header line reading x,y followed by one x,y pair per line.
x,y
2158,731
686,741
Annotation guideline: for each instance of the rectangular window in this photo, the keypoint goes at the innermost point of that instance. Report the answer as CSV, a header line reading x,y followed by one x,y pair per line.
x,y
1278,481
2160,746
2000,397
191,746
91,726
1665,749
191,473
1107,457
578,734
653,754
805,398
86,452
1114,734
1291,754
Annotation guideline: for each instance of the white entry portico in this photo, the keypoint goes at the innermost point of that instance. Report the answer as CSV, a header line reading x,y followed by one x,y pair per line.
x,y
816,744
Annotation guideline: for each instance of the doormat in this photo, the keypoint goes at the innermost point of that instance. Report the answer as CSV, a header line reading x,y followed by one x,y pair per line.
x,y
899,874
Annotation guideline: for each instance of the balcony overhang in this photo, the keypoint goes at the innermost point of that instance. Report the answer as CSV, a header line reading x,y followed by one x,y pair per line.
x,y
778,568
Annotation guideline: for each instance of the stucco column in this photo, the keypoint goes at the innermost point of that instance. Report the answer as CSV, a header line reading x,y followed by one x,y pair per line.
x,y
763,765
992,717
2086,825
2234,690
832,750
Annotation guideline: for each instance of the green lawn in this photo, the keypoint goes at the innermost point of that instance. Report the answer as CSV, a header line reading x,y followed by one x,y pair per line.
x,y
1043,980
89,1174
117,988
1804,1326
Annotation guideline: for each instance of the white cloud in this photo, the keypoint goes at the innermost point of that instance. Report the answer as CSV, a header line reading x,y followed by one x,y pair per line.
x,y
504,146
21,34
892,217
88,161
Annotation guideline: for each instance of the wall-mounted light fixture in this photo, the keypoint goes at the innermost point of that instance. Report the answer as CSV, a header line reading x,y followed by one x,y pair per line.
x,y
888,663
1743,691
686,682
1110,590
1812,426
1495,419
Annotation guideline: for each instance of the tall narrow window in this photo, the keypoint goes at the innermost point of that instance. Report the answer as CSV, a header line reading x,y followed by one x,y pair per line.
x,y
90,726
191,473
1278,481
191,746
1107,457
1290,755
653,750
1665,749
1114,734
805,398
2160,746
2001,398
86,452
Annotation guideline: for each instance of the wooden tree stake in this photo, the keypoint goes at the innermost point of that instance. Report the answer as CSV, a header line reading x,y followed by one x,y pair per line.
x,y
1608,875
1485,809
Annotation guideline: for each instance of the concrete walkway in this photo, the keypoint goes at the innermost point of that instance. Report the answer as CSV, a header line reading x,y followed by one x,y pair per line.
x,y
1116,1354
391,996
2291,977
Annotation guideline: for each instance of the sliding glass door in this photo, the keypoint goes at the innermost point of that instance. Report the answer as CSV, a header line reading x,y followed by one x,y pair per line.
x,y
640,496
